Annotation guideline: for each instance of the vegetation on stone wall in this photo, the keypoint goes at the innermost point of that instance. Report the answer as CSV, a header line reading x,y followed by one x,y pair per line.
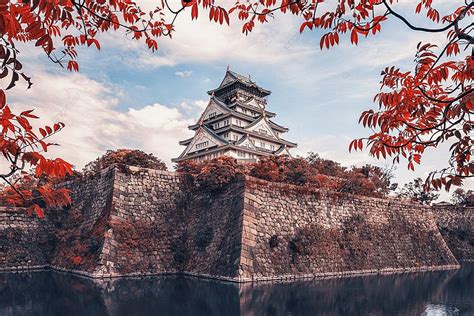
x,y
204,237
358,243
179,250
273,241
211,175
463,198
136,242
416,190
311,171
127,157
78,248
460,240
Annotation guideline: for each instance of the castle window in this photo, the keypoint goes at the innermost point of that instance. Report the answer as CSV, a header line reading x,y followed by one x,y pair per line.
x,y
262,144
216,126
202,145
272,147
226,135
239,122
262,131
236,137
241,154
213,114
226,122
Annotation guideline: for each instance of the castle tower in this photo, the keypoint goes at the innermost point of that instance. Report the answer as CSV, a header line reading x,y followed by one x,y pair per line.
x,y
236,123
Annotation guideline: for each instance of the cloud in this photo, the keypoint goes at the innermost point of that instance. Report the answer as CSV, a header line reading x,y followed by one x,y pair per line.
x,y
202,41
194,107
183,74
93,123
277,42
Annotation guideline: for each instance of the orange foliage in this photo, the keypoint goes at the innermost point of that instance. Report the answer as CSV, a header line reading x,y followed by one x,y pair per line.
x,y
418,109
21,147
212,174
127,157
368,180
324,173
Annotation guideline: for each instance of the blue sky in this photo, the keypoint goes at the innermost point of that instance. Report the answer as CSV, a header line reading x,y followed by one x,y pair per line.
x,y
127,97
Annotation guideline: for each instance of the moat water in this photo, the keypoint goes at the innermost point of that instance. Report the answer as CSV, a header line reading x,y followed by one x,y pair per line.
x,y
50,293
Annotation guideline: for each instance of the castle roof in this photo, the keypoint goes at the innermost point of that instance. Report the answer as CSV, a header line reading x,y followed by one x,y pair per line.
x,y
249,106
224,147
232,77
229,111
278,127
257,135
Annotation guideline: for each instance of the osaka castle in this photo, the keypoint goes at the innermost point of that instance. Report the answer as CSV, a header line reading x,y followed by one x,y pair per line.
x,y
236,123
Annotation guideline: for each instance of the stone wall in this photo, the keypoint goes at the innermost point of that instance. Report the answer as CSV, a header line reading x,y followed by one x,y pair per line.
x,y
80,230
26,242
161,225
291,231
129,221
456,224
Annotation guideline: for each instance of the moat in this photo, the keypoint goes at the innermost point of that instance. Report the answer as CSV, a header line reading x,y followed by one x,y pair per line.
x,y
429,293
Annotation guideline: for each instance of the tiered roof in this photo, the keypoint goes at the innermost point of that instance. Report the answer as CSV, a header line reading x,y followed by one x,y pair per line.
x,y
238,108
232,78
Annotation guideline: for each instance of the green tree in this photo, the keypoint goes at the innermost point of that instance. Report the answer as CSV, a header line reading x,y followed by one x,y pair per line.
x,y
416,190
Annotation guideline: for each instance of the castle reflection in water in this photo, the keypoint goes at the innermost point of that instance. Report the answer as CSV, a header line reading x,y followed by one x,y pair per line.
x,y
50,293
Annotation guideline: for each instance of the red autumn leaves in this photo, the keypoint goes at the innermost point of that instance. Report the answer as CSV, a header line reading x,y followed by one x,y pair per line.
x,y
418,109
22,148
422,109
312,171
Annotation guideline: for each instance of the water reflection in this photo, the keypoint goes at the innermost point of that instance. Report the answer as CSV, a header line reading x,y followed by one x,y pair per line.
x,y
49,293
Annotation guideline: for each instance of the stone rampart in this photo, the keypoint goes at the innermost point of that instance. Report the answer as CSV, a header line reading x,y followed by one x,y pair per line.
x,y
456,224
26,242
158,224
81,230
291,231
128,221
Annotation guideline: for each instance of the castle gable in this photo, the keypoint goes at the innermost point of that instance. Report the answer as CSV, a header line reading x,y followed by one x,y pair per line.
x,y
213,109
261,126
246,142
254,103
283,151
229,78
203,139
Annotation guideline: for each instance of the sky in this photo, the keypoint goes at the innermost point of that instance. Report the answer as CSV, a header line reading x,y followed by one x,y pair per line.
x,y
125,96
